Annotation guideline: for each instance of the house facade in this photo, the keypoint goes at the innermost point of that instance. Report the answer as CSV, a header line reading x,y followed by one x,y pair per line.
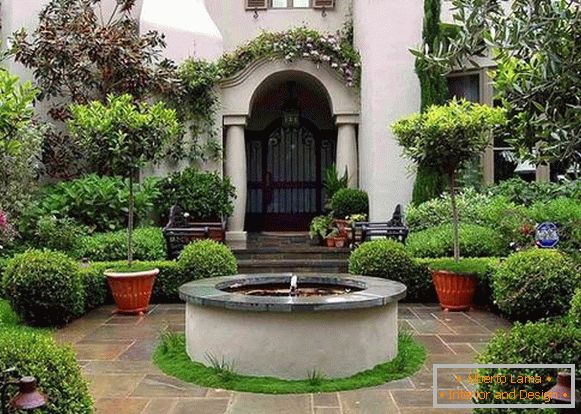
x,y
283,123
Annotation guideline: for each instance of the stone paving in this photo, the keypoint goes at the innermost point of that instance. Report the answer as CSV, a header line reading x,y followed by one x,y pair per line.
x,y
115,353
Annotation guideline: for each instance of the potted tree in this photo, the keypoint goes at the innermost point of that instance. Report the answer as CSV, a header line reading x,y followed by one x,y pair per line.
x,y
131,135
445,138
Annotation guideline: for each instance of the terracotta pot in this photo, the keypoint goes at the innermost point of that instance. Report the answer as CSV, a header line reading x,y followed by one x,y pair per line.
x,y
131,290
330,241
342,226
339,242
455,291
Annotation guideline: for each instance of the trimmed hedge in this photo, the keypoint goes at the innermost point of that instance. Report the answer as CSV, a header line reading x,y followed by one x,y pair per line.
x,y
475,241
532,343
535,284
388,259
34,353
207,258
44,287
148,244
347,201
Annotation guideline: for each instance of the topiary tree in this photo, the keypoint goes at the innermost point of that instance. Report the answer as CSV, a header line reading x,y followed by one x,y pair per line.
x,y
207,258
347,201
447,137
130,134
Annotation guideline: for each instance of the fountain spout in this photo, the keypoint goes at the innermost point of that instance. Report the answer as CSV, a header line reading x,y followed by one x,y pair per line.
x,y
293,285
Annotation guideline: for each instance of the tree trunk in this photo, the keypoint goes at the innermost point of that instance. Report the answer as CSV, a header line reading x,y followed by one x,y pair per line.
x,y
455,219
130,223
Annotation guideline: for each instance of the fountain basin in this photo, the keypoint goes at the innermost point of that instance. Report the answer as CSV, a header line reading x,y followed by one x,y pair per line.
x,y
338,325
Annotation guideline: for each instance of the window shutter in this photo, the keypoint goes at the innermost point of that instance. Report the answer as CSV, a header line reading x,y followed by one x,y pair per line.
x,y
324,4
256,4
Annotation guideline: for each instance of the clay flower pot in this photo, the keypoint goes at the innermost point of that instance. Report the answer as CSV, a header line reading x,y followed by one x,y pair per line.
x,y
455,291
131,290
330,241
340,242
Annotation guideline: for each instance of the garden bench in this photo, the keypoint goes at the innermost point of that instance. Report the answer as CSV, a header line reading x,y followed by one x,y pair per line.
x,y
180,231
394,229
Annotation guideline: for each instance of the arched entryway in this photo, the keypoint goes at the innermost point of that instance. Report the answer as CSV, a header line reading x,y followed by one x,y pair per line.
x,y
290,142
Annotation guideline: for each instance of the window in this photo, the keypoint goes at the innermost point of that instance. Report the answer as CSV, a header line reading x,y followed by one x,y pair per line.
x,y
464,86
287,4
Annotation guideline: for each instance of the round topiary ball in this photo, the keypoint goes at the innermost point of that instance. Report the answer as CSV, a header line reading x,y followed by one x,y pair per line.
x,y
575,310
388,259
44,287
349,201
34,353
207,258
535,284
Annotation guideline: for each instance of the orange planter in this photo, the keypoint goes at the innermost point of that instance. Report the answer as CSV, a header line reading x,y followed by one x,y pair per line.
x,y
131,291
455,291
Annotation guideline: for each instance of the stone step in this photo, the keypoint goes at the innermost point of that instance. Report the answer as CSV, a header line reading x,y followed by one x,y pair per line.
x,y
292,265
313,253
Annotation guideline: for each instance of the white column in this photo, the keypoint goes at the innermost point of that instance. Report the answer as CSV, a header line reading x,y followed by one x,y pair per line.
x,y
347,148
235,168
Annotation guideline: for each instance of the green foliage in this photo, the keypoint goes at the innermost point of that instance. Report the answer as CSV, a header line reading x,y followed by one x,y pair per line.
x,y
332,182
35,353
205,196
535,284
349,201
171,357
521,192
93,201
44,287
207,258
477,266
58,233
7,316
531,343
320,226
16,111
388,259
148,244
429,184
575,309
475,241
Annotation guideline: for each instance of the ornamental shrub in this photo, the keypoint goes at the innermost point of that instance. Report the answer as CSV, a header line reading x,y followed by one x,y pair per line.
x,y
575,309
60,234
44,287
531,343
475,241
524,193
206,196
349,201
34,353
388,259
207,258
535,283
148,244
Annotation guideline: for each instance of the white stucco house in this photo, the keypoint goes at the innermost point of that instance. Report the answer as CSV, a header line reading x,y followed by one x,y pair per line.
x,y
278,175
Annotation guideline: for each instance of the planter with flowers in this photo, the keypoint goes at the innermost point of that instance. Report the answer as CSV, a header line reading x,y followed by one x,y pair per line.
x,y
445,138
132,134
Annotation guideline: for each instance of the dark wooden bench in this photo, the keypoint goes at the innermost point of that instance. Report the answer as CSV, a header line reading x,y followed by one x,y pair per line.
x,y
180,231
393,229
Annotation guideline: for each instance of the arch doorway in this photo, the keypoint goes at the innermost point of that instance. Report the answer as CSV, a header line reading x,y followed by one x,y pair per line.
x,y
290,142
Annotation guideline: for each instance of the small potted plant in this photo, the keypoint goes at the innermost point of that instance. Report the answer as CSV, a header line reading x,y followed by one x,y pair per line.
x,y
330,238
128,135
445,138
320,227
340,240
351,220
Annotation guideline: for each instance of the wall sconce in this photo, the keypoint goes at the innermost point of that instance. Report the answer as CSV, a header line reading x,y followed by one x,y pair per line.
x,y
324,12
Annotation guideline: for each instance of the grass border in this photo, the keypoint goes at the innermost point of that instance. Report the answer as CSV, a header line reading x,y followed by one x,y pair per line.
x,y
171,357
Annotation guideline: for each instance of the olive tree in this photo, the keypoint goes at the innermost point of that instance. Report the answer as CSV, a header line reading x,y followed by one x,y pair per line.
x,y
129,134
445,138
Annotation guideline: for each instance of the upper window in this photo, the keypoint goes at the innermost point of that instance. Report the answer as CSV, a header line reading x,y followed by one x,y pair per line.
x,y
287,4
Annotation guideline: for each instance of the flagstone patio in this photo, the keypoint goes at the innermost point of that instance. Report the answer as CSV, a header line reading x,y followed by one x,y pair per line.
x,y
115,352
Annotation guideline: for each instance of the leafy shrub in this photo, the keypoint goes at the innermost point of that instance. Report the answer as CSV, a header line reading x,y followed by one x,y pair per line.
x,y
204,195
55,367
522,192
320,226
535,283
531,343
7,316
333,182
475,241
99,202
388,259
575,309
566,213
58,233
349,201
207,258
44,287
148,244
171,276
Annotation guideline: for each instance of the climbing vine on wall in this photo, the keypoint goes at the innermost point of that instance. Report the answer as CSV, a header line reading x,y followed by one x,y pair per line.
x,y
197,97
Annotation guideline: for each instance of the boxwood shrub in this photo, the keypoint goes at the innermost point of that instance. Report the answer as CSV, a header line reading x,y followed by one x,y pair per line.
x,y
207,258
34,353
388,259
475,241
44,287
535,283
531,343
349,201
148,244
575,309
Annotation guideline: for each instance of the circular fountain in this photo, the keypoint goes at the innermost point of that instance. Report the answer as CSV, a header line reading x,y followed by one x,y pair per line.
x,y
287,326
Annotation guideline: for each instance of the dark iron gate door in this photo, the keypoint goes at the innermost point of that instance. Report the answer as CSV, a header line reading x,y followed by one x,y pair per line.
x,y
285,170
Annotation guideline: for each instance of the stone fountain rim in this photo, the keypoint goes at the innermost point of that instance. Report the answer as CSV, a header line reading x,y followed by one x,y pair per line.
x,y
377,292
